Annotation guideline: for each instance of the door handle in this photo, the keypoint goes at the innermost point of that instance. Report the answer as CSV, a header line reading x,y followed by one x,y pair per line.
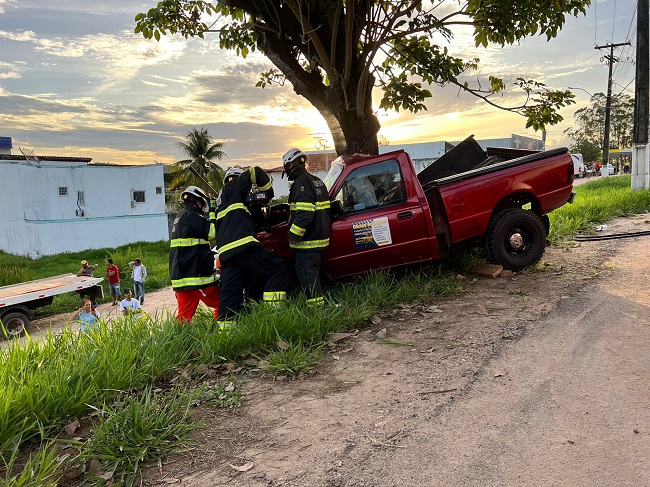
x,y
405,215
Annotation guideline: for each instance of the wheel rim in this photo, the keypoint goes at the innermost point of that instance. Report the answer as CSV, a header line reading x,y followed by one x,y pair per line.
x,y
14,327
518,241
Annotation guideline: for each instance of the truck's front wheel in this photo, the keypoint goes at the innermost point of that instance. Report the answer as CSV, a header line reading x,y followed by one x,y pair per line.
x,y
515,238
14,325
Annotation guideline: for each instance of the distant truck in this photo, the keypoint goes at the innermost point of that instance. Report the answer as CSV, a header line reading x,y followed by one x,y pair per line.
x,y
18,301
385,215
579,169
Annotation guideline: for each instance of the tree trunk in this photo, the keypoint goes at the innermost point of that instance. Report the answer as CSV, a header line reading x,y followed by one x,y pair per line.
x,y
346,107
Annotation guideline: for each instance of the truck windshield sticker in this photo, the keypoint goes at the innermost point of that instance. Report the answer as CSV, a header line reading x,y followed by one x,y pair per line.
x,y
373,233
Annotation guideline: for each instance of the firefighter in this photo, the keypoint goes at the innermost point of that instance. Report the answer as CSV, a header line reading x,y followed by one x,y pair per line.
x,y
309,223
191,261
243,259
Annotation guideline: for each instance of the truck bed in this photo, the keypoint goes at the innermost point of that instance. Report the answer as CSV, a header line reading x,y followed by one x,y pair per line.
x,y
496,166
467,159
43,288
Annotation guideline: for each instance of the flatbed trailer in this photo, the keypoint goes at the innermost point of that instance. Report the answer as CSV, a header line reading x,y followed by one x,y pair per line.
x,y
18,301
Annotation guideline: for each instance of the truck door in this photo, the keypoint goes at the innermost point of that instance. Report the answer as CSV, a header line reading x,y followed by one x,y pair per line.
x,y
381,226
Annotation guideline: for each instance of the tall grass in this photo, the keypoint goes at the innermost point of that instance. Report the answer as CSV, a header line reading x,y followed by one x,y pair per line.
x,y
595,203
13,274
46,383
40,470
138,430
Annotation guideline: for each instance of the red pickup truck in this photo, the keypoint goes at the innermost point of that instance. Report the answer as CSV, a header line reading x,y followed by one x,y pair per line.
x,y
385,215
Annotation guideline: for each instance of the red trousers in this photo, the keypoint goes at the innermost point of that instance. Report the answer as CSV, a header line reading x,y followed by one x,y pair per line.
x,y
188,301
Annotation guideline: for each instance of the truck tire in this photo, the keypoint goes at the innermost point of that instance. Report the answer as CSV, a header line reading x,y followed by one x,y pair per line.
x,y
515,239
546,222
14,325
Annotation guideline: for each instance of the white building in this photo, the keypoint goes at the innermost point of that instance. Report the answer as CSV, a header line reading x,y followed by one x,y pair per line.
x,y
64,204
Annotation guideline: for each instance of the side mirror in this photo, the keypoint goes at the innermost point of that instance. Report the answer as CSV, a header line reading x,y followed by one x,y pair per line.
x,y
336,209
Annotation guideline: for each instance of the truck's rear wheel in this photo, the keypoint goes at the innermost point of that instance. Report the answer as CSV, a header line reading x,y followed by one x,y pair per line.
x,y
546,222
515,239
14,325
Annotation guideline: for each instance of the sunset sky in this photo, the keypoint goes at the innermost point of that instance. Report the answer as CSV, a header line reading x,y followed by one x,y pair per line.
x,y
76,81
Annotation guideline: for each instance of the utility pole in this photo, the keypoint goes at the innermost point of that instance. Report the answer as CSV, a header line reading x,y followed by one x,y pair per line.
x,y
640,164
608,105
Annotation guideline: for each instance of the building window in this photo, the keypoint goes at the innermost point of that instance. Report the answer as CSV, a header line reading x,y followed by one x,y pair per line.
x,y
158,189
80,198
63,191
138,196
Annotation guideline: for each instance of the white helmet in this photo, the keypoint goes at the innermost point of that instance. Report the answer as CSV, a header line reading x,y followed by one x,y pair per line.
x,y
294,155
196,194
232,173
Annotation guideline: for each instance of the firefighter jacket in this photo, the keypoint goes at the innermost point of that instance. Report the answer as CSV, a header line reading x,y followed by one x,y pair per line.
x,y
237,207
191,262
309,219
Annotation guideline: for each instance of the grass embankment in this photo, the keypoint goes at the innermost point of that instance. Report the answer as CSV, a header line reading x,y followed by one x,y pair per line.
x,y
46,385
595,203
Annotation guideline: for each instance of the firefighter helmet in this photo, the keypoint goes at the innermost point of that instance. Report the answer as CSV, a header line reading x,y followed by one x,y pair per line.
x,y
294,155
193,194
232,173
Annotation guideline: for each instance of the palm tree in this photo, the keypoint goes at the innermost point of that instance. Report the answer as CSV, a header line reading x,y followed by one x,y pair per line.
x,y
202,155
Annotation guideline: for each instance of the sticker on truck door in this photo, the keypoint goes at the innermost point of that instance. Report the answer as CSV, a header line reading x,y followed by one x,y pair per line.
x,y
373,233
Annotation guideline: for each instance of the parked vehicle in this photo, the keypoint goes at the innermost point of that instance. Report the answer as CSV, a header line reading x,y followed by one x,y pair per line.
x,y
579,169
18,301
384,215
610,170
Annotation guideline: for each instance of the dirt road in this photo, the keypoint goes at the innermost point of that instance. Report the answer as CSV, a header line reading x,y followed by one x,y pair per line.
x,y
536,380
157,302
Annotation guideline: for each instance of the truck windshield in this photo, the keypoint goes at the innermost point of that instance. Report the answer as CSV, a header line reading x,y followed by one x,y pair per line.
x,y
335,171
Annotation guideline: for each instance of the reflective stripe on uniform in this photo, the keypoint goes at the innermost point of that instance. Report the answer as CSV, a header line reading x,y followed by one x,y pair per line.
x,y
304,206
186,242
271,296
225,324
295,229
310,244
212,232
194,281
319,301
323,205
237,243
234,206
266,187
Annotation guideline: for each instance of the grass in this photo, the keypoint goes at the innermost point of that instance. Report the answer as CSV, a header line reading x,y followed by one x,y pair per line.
x,y
597,202
41,469
44,385
138,430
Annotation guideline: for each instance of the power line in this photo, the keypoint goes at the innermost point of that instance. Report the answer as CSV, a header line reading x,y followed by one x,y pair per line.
x,y
608,106
613,19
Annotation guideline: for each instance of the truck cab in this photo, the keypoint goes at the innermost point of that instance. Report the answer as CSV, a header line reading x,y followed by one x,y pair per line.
x,y
384,222
380,217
